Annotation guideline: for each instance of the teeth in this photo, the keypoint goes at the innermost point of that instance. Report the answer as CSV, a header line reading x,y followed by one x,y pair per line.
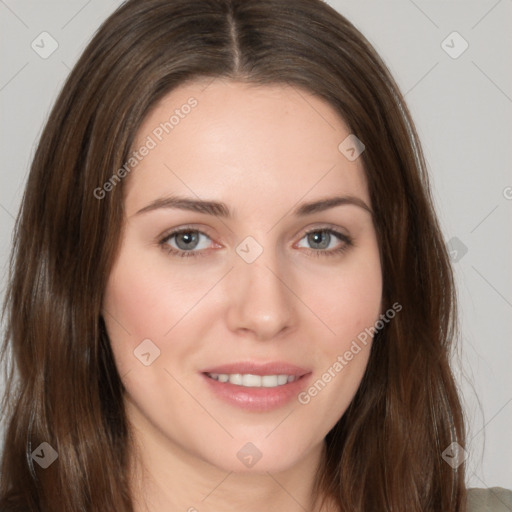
x,y
282,379
269,381
253,381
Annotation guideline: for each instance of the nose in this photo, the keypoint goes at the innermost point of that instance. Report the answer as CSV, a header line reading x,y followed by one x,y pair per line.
x,y
261,301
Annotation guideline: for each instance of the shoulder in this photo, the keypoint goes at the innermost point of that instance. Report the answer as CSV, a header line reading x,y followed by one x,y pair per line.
x,y
492,499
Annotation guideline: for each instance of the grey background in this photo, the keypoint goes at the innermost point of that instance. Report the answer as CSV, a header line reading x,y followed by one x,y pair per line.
x,y
462,108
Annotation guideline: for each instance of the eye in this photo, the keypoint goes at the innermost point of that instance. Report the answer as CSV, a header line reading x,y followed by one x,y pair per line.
x,y
326,241
185,242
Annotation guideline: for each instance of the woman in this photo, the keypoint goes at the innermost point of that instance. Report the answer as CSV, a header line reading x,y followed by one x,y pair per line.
x,y
229,287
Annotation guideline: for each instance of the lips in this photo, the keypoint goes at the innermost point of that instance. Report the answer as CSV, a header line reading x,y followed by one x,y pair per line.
x,y
266,396
273,368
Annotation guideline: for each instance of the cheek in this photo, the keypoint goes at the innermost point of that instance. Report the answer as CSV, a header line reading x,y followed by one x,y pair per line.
x,y
147,299
138,305
347,300
349,308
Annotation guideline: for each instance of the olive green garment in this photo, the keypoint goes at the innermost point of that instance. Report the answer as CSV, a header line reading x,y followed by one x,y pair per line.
x,y
493,499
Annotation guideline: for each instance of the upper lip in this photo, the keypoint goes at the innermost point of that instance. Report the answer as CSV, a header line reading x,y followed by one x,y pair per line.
x,y
272,368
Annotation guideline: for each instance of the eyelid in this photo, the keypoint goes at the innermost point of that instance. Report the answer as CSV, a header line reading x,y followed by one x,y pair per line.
x,y
340,232
185,228
321,227
162,241
344,238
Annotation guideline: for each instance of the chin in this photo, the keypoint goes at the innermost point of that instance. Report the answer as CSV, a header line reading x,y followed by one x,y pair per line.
x,y
243,456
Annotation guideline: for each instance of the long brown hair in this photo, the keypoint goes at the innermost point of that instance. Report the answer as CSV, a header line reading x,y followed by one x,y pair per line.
x,y
385,453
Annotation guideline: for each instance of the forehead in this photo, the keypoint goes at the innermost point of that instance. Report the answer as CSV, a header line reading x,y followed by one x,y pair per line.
x,y
243,144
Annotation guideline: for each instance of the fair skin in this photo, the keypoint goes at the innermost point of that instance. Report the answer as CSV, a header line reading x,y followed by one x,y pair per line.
x,y
263,151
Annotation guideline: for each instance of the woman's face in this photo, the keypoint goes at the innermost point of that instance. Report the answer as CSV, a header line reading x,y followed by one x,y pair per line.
x,y
237,339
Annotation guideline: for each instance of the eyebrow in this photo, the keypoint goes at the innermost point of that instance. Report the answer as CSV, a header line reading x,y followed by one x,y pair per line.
x,y
219,209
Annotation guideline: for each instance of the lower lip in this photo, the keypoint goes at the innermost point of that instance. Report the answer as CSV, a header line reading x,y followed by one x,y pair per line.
x,y
257,399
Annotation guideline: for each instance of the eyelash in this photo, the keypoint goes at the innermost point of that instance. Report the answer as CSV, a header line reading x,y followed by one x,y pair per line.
x,y
348,242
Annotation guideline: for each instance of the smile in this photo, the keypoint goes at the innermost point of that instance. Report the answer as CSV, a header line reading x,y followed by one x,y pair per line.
x,y
256,387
